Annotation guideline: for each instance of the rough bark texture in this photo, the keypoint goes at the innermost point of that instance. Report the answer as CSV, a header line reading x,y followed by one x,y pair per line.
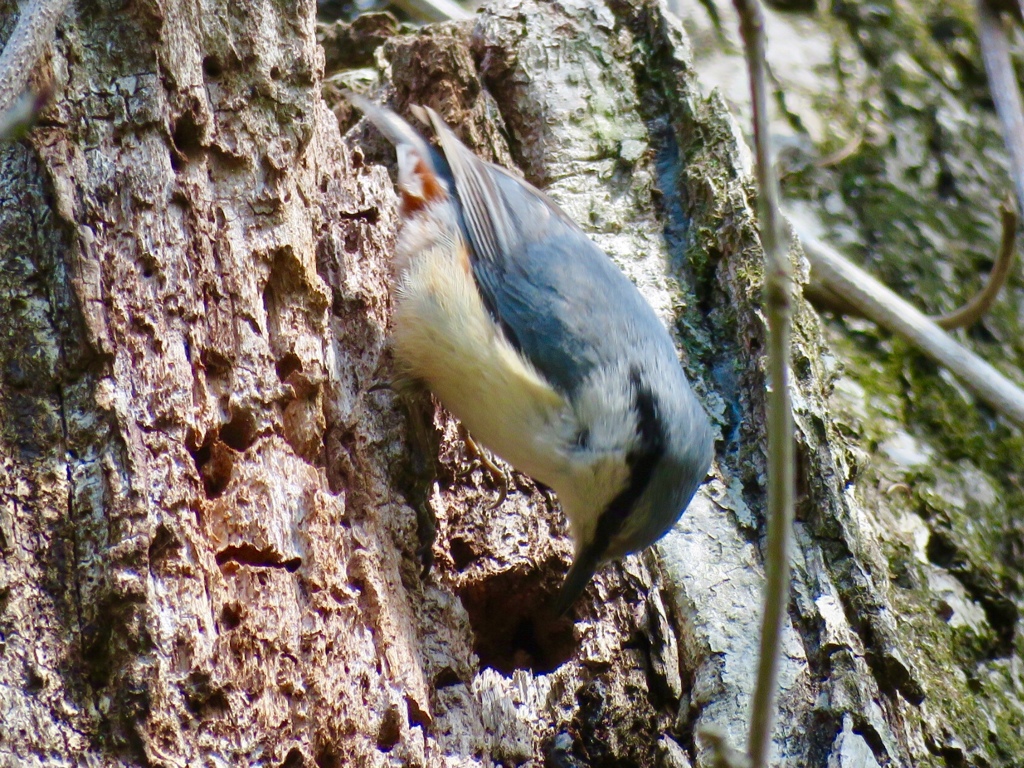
x,y
206,552
890,147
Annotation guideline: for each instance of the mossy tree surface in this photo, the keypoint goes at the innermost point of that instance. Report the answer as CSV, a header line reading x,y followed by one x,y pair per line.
x,y
893,96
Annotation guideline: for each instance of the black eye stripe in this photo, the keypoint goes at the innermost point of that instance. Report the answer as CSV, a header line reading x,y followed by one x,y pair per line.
x,y
641,461
649,427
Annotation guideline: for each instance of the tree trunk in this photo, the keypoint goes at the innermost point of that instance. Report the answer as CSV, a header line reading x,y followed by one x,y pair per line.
x,y
208,533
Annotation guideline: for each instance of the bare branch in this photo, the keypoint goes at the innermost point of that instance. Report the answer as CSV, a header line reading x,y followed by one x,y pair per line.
x,y
982,301
884,307
778,291
995,52
433,10
36,23
853,286
825,296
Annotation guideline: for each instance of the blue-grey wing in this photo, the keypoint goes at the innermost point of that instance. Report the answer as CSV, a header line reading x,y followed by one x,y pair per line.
x,y
558,297
564,305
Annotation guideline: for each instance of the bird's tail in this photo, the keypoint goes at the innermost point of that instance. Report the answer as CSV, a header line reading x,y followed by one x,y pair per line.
x,y
418,179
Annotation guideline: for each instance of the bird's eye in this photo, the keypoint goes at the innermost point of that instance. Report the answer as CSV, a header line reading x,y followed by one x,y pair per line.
x,y
583,439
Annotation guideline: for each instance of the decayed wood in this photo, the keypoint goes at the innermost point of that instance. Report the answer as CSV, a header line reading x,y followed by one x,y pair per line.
x,y
206,554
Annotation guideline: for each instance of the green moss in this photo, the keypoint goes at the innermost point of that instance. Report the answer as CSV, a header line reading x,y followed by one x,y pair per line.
x,y
971,692
912,193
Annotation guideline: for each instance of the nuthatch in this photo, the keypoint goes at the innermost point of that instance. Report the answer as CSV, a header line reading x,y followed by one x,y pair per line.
x,y
528,333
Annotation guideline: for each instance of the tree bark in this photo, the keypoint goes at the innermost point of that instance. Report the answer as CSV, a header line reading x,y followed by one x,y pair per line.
x,y
208,534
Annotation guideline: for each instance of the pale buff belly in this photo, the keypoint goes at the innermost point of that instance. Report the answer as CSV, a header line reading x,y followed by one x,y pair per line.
x,y
444,336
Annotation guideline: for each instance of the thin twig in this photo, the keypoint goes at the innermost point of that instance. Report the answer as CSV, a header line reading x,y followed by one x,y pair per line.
x,y
778,292
36,24
982,301
884,307
1002,82
825,296
876,302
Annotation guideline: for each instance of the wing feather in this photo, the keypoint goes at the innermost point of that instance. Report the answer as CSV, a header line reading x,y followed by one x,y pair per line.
x,y
491,230
557,296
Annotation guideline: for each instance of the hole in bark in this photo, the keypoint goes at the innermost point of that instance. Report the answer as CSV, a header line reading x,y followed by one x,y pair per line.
x,y
293,759
275,73
187,136
240,432
148,265
953,757
163,546
446,678
390,730
287,365
34,682
327,757
214,362
1003,614
214,462
793,6
212,67
231,616
201,697
462,553
248,554
511,628
945,184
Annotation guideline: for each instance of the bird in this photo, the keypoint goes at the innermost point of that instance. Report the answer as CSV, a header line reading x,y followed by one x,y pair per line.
x,y
528,333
